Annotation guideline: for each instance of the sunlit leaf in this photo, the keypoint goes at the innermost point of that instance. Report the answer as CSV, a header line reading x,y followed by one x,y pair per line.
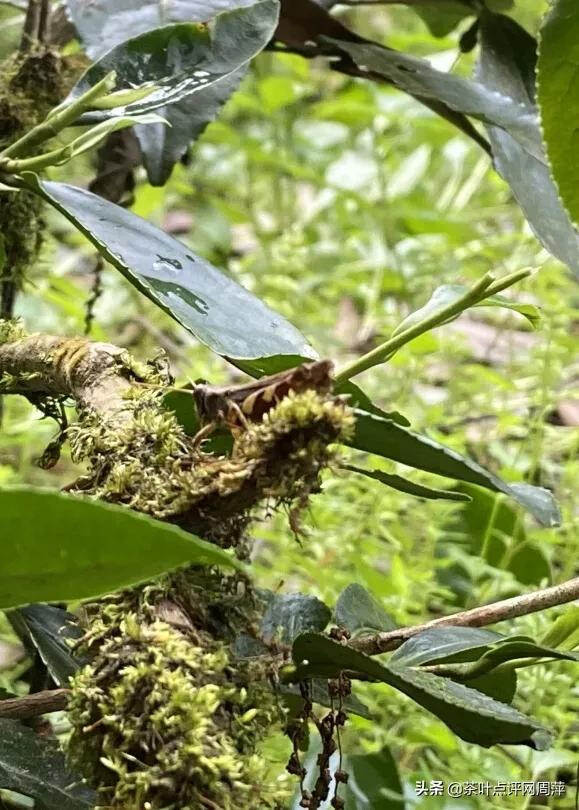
x,y
558,97
82,548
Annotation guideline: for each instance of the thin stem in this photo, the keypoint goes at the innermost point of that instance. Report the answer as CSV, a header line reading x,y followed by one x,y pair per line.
x,y
59,119
31,26
485,288
477,617
385,350
23,708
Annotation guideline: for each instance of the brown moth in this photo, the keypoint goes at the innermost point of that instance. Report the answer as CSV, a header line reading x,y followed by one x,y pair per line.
x,y
238,404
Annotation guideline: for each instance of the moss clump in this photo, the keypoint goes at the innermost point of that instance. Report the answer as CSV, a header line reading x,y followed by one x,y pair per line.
x,y
162,717
151,465
30,86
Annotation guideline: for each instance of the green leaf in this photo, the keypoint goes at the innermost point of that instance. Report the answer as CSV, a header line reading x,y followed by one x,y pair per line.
x,y
82,548
385,438
374,782
163,146
488,524
107,23
564,632
418,78
35,766
289,615
442,17
356,609
529,563
197,295
507,66
446,295
500,684
558,97
358,399
472,715
50,630
410,487
444,643
181,59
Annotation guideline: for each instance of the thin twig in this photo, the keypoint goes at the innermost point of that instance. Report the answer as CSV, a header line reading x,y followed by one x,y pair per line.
x,y
23,708
477,617
30,29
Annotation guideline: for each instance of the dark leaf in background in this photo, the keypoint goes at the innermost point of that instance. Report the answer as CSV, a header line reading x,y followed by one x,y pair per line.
x,y
35,766
220,313
529,563
407,486
319,694
289,615
557,77
374,782
472,715
51,630
507,66
304,21
356,609
393,441
82,548
117,158
417,77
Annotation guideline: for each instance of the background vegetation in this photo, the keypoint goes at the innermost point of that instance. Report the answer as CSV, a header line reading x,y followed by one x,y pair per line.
x,y
344,204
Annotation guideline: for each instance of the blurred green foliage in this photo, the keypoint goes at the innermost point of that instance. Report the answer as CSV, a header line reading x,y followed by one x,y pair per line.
x,y
344,204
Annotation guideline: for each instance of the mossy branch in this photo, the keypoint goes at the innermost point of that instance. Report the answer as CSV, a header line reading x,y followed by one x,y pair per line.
x,y
95,375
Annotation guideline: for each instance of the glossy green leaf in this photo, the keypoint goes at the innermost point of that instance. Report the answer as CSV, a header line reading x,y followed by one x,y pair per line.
x,y
446,295
289,615
472,715
181,59
443,643
163,146
507,66
374,782
558,98
385,438
356,610
418,78
107,23
410,487
82,548
219,312
51,630
34,765
500,684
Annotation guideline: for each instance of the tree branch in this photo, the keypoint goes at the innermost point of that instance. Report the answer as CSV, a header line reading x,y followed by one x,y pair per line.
x,y
477,617
24,708
96,375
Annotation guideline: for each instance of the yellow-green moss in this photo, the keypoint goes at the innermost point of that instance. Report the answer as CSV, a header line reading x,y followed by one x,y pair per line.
x,y
162,717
